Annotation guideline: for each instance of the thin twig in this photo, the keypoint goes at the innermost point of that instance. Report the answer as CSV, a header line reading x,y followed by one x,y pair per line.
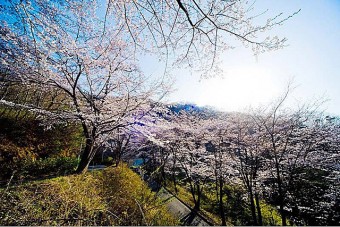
x,y
140,208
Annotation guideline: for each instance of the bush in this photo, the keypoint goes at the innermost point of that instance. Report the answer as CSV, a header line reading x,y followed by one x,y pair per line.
x,y
41,168
132,200
114,196
270,215
29,148
21,135
48,166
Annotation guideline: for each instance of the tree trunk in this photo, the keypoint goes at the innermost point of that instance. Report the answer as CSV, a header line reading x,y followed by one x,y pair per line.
x,y
175,183
281,196
258,207
283,215
221,207
86,157
163,177
252,207
173,172
198,200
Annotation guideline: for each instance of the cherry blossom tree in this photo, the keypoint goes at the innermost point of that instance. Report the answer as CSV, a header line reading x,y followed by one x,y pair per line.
x,y
244,139
191,154
238,148
289,140
195,32
60,47
237,159
180,135
118,144
312,167
219,160
88,52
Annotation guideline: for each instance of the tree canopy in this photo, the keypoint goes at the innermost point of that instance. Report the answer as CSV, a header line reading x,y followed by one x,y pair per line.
x,y
87,51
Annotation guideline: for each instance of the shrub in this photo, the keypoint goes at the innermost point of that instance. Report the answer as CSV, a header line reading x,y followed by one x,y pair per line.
x,y
48,166
115,196
132,200
270,215
40,168
24,140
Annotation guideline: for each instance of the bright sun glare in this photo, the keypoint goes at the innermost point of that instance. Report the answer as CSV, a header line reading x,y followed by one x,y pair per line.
x,y
240,88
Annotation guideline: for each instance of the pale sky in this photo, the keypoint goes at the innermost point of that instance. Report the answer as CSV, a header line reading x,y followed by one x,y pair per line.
x,y
312,59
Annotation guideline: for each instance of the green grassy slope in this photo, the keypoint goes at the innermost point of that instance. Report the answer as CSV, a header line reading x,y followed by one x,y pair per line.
x,y
114,196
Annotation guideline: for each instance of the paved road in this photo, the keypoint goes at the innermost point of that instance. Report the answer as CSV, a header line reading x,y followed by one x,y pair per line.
x,y
175,206
180,210
96,167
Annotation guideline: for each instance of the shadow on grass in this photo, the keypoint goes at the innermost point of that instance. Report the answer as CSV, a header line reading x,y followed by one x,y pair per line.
x,y
19,179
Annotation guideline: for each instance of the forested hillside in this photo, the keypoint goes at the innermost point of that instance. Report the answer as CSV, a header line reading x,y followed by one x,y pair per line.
x,y
256,168
274,156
